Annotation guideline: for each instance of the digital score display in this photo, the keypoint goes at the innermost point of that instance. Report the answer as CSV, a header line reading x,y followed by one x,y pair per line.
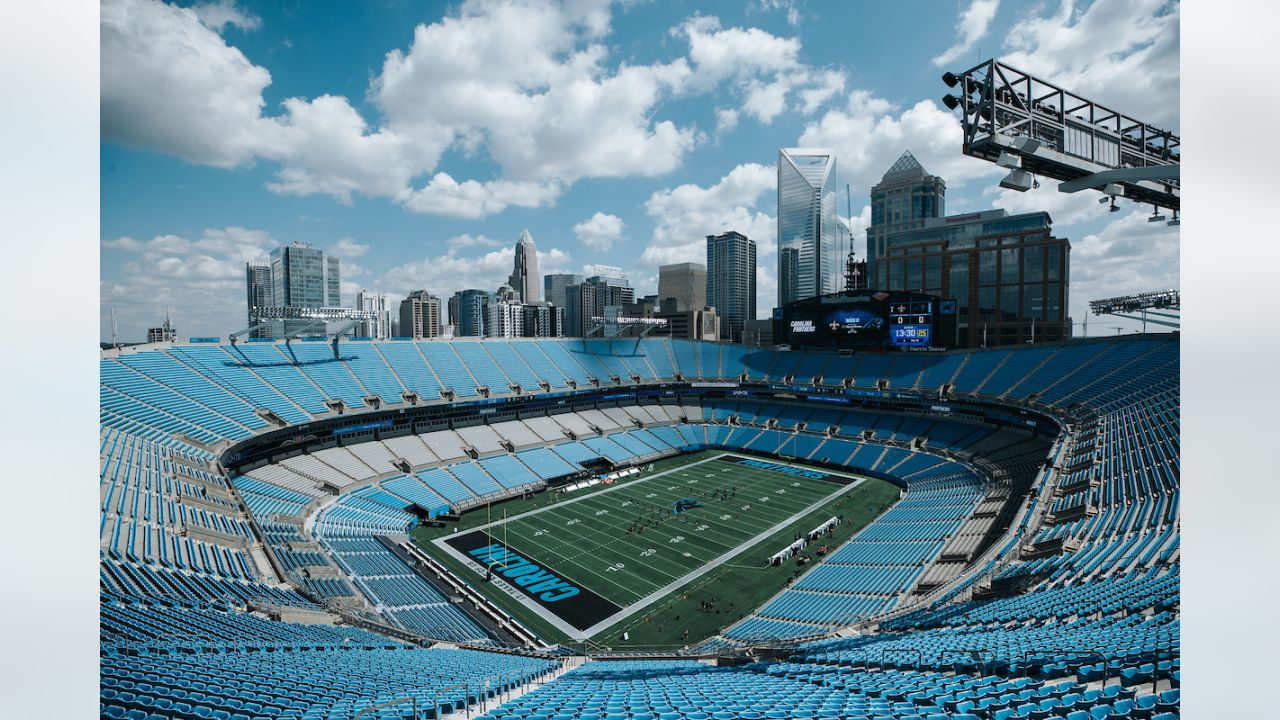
x,y
911,323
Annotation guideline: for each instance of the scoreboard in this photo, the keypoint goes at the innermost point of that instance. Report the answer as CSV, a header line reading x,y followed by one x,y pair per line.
x,y
911,323
888,320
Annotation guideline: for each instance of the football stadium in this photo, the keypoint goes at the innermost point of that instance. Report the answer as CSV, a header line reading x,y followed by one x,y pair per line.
x,y
639,529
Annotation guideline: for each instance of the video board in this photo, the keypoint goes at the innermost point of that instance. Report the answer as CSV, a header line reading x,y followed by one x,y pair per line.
x,y
889,320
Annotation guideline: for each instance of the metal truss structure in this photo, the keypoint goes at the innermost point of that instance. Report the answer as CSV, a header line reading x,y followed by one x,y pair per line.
x,y
1036,128
1160,303
619,326
320,319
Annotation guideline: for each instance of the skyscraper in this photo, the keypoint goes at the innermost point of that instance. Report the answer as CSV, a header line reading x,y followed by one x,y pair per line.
x,y
467,312
380,327
811,236
257,280
504,315
524,277
420,315
597,296
301,276
904,198
731,281
1008,274
685,284
555,283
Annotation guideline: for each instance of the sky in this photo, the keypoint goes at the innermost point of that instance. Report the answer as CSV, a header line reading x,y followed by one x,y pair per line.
x,y
415,140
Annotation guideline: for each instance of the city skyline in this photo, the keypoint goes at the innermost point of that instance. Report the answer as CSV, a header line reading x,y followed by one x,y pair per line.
x,y
695,123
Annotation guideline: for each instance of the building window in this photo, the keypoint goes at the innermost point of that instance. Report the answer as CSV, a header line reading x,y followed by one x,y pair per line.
x,y
1009,302
895,275
987,303
1053,308
933,271
987,267
959,281
1033,263
913,274
1009,266
1055,262
1033,301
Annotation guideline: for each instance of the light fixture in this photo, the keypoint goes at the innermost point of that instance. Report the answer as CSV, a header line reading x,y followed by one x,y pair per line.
x,y
1113,207
950,79
1018,180
1155,215
1026,145
951,101
1174,222
1103,200
1008,160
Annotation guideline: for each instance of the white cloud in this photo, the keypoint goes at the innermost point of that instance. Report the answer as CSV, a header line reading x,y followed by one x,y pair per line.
x,y
868,135
1129,255
346,248
547,108
217,15
726,120
464,241
201,280
171,84
858,225
600,231
1064,208
764,68
473,200
1121,53
685,215
766,287
828,84
971,27
443,275
790,6
526,82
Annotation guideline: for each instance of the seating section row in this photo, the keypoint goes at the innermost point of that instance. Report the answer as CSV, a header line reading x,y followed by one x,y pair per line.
x,y
307,682
212,393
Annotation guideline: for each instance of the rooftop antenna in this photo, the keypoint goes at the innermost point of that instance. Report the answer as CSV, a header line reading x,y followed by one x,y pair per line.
x,y
113,328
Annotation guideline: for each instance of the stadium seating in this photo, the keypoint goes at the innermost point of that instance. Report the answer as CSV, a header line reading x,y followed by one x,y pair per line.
x,y
1072,615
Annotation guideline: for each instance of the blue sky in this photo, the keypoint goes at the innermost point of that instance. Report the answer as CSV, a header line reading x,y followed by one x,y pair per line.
x,y
416,140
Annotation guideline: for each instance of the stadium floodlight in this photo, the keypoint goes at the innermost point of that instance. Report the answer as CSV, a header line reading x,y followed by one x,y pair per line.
x,y
1018,180
1174,222
1155,215
1156,299
1103,200
1064,136
951,101
1009,160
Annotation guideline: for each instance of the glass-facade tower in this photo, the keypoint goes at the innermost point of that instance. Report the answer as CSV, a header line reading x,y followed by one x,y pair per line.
x,y
301,276
810,233
906,196
731,281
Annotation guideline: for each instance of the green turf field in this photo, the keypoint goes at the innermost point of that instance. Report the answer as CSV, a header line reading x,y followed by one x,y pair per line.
x,y
624,544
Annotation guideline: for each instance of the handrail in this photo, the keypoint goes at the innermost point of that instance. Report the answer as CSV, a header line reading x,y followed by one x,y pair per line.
x,y
390,703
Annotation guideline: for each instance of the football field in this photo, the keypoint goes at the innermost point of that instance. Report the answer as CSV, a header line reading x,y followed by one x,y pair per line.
x,y
585,563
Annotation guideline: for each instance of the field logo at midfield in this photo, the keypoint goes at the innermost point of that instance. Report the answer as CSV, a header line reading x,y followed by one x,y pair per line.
x,y
523,575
